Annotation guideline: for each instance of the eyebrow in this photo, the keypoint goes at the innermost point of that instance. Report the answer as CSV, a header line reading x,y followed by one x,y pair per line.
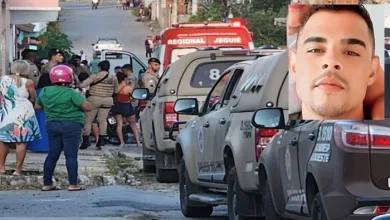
x,y
345,41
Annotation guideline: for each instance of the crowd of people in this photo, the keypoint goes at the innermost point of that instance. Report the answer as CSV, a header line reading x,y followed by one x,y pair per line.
x,y
76,98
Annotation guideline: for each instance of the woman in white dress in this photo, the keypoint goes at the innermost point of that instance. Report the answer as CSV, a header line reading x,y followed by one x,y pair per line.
x,y
18,124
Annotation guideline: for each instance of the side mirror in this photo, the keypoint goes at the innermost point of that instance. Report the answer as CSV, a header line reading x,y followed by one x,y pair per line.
x,y
141,94
186,106
271,118
93,44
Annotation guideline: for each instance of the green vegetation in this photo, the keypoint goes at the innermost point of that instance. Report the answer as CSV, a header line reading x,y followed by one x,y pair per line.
x,y
117,164
259,16
54,38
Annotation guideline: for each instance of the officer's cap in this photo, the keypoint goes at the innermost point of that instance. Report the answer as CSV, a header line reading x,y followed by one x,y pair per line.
x,y
55,51
154,60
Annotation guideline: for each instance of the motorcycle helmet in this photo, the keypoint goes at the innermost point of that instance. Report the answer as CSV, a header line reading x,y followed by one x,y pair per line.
x,y
61,74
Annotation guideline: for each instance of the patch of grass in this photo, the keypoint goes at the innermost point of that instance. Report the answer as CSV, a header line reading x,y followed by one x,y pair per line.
x,y
117,164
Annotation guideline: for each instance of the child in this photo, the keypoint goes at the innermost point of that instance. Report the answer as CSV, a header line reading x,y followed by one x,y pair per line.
x,y
64,109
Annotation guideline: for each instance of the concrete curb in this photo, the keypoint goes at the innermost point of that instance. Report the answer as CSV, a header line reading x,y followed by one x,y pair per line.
x,y
35,180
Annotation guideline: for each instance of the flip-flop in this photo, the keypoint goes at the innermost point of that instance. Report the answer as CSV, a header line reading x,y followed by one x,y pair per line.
x,y
53,188
77,189
16,174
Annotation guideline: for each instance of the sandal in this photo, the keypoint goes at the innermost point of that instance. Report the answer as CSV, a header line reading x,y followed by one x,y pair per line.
x,y
16,174
77,189
52,188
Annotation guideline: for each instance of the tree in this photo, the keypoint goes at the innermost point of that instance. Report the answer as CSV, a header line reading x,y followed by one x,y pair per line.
x,y
212,12
54,38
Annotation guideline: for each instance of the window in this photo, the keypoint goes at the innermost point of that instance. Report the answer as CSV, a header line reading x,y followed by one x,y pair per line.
x,y
107,41
206,74
232,86
179,52
216,94
138,68
117,59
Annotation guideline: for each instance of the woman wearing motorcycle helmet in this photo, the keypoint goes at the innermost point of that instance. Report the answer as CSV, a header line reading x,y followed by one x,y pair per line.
x,y
64,109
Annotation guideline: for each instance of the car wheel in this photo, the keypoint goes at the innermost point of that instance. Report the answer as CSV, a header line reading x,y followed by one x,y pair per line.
x,y
317,209
233,188
167,176
147,165
186,188
269,208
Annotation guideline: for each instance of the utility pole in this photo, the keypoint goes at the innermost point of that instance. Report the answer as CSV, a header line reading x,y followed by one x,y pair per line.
x,y
174,12
194,8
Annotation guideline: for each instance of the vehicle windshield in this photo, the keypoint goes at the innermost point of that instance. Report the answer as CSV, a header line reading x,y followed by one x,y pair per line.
x,y
179,52
206,74
107,41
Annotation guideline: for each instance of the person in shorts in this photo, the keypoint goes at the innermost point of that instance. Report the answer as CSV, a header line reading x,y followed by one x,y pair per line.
x,y
123,109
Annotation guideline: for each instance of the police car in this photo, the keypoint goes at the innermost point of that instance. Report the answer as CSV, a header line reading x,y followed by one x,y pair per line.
x,y
324,169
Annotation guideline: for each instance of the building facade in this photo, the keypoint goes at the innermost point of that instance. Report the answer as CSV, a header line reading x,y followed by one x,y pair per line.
x,y
21,12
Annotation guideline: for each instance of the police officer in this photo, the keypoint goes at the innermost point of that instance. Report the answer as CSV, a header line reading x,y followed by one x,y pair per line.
x,y
131,78
31,56
102,87
56,56
150,78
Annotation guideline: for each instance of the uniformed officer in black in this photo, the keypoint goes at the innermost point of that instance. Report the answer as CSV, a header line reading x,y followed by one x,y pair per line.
x,y
31,56
150,77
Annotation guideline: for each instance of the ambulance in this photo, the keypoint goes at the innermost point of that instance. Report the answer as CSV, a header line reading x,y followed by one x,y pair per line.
x,y
183,38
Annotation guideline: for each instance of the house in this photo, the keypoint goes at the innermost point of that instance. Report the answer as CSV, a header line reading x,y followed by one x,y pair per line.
x,y
17,16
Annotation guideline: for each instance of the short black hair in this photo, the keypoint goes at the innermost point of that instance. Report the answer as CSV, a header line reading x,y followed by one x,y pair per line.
x,y
104,65
127,67
28,54
85,62
121,76
357,9
117,68
54,52
44,80
83,76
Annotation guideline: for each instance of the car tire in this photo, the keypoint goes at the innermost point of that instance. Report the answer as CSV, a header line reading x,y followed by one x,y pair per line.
x,y
186,188
269,208
317,209
147,167
167,176
233,187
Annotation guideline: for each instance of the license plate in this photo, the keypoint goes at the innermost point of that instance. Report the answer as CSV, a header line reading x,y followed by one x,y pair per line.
x,y
111,121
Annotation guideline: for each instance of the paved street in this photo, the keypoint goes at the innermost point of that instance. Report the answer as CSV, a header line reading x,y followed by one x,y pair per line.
x,y
112,201
84,26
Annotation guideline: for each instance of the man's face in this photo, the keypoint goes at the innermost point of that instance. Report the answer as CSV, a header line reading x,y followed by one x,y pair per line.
x,y
154,66
117,70
127,72
78,62
333,64
59,58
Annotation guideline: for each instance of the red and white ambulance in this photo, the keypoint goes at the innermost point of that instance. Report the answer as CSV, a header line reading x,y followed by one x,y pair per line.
x,y
184,38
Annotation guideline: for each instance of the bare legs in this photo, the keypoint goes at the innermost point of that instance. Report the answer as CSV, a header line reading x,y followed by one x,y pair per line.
x,y
119,124
20,155
3,156
133,124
